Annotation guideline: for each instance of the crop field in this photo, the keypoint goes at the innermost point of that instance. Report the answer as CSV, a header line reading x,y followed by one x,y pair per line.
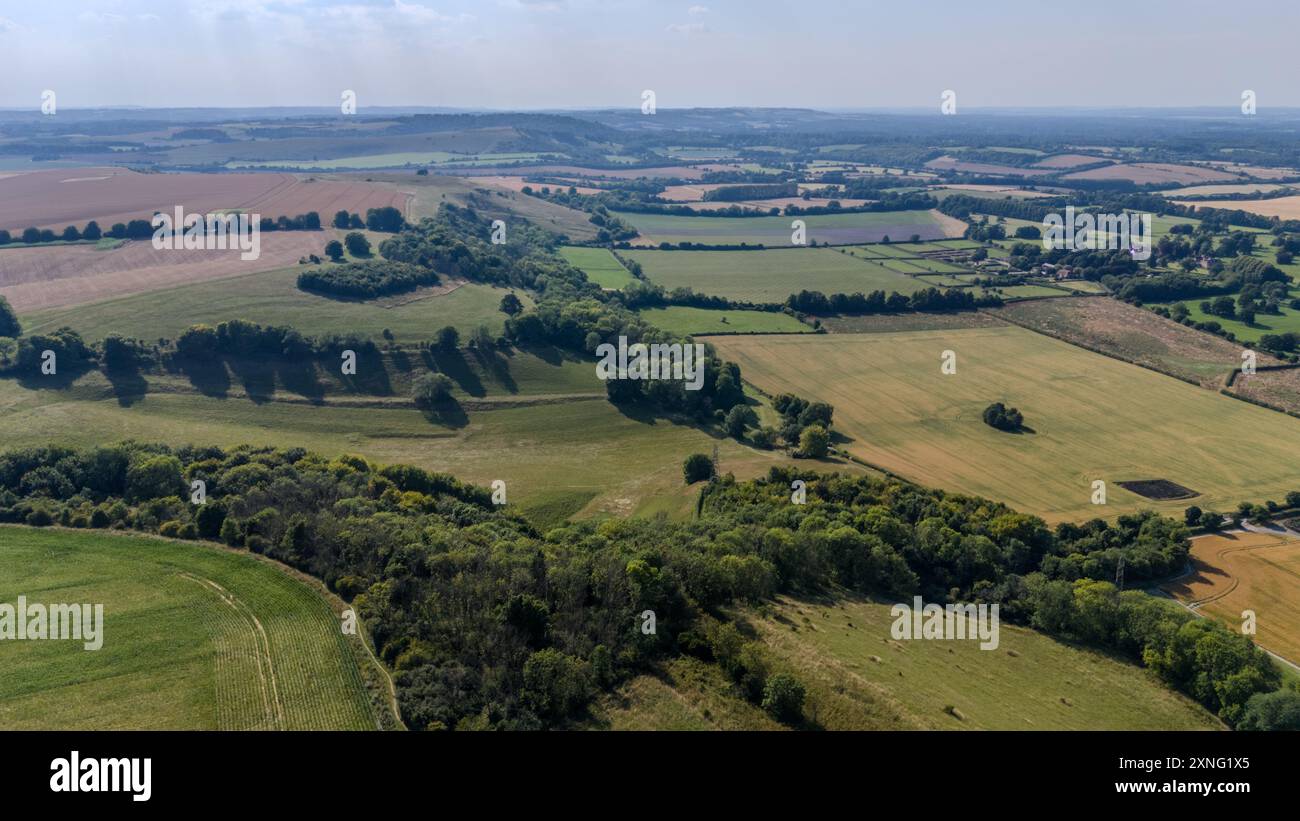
x,y
38,278
861,678
1088,418
273,298
680,319
774,232
58,198
194,637
1226,188
1153,172
1237,571
396,160
771,275
1026,291
1287,208
600,266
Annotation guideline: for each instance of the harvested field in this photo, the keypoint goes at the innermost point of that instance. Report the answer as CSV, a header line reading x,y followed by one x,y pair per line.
x,y
1158,172
890,323
1227,188
54,199
54,277
953,164
1237,571
1068,161
1132,334
1287,208
1092,418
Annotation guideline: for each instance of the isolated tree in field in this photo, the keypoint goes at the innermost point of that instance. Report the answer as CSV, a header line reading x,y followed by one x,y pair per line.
x,y
511,305
814,442
341,219
1001,417
357,244
71,234
384,219
9,325
448,338
91,231
31,235
1192,515
429,389
697,468
334,250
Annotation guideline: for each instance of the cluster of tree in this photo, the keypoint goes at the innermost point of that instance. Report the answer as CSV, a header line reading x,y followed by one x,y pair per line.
x,y
926,299
366,280
34,236
754,191
489,623
240,338
1001,417
387,219
309,221
805,425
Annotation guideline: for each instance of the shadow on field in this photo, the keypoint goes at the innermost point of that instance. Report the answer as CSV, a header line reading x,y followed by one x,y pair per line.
x,y
492,362
371,377
129,386
208,376
453,364
447,413
62,378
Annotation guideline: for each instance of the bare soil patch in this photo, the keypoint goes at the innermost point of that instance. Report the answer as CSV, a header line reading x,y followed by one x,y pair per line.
x,y
1160,489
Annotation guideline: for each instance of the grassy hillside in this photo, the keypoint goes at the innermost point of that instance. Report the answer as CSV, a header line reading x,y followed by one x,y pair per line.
x,y
195,637
774,232
273,298
539,422
1091,417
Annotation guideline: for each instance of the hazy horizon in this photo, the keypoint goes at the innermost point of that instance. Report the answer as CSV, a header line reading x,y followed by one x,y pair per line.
x,y
537,55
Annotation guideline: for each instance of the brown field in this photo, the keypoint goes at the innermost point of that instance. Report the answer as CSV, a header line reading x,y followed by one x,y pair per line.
x,y
1132,334
1067,161
994,189
1282,207
62,275
891,323
57,198
1226,188
953,164
1145,172
1232,572
1257,172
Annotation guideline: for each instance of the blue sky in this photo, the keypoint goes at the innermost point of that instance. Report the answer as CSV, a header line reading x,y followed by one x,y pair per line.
x,y
583,53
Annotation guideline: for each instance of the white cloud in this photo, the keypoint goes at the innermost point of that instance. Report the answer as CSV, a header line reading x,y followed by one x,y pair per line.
x,y
697,11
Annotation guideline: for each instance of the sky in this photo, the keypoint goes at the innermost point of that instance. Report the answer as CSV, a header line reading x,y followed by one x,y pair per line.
x,y
531,54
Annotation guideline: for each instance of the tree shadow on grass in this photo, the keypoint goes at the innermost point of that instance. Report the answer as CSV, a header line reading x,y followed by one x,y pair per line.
x,y
371,377
208,376
129,385
61,379
257,375
454,365
492,362
301,378
447,413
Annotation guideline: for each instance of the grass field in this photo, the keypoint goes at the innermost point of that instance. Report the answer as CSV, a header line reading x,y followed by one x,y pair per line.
x,y
774,232
858,678
1240,571
1092,417
543,425
684,320
769,276
273,298
194,637
600,266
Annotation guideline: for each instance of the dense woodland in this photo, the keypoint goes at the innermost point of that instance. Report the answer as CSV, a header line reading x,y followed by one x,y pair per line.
x,y
490,623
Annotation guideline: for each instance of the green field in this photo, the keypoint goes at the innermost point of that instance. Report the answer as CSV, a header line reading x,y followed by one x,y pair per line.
x,y
858,678
775,232
540,423
679,319
195,636
273,298
769,276
600,266
1092,418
